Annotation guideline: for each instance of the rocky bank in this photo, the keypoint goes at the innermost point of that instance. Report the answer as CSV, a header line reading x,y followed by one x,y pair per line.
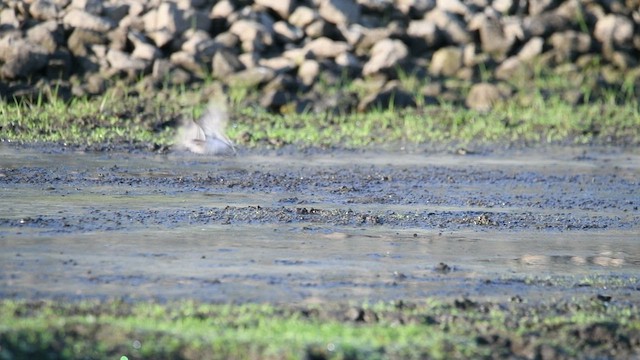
x,y
466,52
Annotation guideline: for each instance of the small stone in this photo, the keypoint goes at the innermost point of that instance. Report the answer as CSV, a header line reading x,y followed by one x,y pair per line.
x,y
77,18
21,58
46,34
424,35
250,78
446,61
308,72
43,10
282,7
385,55
303,16
225,63
119,60
80,41
453,28
339,12
483,96
531,49
324,47
286,32
614,29
91,6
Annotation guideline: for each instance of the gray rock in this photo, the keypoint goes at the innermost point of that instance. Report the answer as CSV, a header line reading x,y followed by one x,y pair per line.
x,y
568,45
453,28
279,64
282,7
510,68
188,62
274,99
91,6
253,35
446,61
116,12
531,49
119,60
250,78
81,40
347,60
539,6
504,6
484,96
142,49
43,10
614,29
46,34
76,18
166,18
453,6
324,48
385,55
200,45
496,37
544,24
8,19
222,10
316,29
415,8
20,58
227,40
369,38
308,72
287,33
423,35
303,16
339,12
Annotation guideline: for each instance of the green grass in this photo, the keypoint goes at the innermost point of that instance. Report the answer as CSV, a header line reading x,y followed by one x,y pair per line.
x,y
536,115
191,330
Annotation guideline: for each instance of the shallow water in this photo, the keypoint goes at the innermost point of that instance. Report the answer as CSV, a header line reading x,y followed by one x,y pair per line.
x,y
316,227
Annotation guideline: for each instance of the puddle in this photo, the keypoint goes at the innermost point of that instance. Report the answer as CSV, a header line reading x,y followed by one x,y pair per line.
x,y
336,226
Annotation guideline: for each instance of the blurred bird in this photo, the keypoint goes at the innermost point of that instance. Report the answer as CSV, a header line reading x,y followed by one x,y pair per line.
x,y
207,134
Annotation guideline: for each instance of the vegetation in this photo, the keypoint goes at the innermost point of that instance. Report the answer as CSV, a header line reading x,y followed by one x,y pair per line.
x,y
432,329
131,115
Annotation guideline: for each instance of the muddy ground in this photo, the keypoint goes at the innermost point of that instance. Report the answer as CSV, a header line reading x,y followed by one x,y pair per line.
x,y
318,225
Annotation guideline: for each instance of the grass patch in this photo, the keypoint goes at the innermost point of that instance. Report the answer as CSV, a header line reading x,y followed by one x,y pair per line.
x,y
125,115
432,329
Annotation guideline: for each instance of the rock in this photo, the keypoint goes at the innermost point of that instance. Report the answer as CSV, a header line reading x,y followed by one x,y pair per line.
x,y
274,99
568,45
496,37
119,60
166,18
544,24
415,8
339,12
510,68
142,49
282,7
43,10
453,28
253,35
200,45
250,78
453,6
197,20
316,29
423,35
279,64
93,7
324,48
346,60
483,96
504,6
8,19
222,10
615,30
59,65
287,33
46,34
116,12
385,55
308,72
20,58
370,37
77,18
81,40
531,49
187,61
303,16
446,61
539,6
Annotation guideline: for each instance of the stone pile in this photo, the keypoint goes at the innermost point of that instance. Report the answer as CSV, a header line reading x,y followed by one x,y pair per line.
x,y
291,49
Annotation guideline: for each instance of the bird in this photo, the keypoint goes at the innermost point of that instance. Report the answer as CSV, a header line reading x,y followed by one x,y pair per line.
x,y
206,135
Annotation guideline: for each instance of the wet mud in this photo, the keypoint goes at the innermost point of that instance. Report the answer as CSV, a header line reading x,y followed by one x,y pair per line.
x,y
320,226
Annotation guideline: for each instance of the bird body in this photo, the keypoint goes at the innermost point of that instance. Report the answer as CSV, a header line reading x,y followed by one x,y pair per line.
x,y
206,135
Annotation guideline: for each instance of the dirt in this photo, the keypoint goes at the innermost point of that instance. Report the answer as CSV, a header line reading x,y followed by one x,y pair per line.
x,y
320,225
